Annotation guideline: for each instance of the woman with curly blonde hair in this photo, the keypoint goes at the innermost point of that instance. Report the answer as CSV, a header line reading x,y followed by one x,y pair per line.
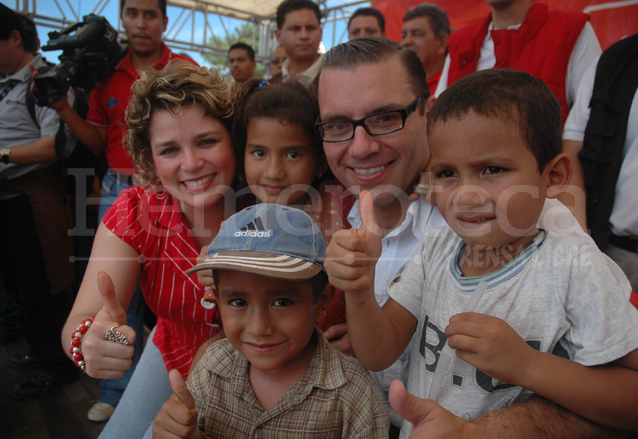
x,y
178,136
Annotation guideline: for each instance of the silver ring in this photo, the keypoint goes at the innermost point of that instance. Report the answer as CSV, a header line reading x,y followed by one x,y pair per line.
x,y
422,189
116,337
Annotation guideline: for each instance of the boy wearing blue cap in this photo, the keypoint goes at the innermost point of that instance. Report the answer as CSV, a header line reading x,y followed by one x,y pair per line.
x,y
275,374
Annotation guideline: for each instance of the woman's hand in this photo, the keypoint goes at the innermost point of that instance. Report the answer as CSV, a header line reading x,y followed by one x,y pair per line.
x,y
104,358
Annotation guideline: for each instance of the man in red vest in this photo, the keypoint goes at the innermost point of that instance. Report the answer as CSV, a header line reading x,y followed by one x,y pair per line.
x,y
426,31
556,46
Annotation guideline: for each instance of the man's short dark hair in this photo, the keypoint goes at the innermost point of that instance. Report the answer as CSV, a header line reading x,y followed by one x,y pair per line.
x,y
376,50
317,283
160,3
439,22
509,95
369,12
11,21
288,6
246,47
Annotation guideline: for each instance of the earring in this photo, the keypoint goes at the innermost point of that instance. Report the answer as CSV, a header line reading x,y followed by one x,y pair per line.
x,y
159,192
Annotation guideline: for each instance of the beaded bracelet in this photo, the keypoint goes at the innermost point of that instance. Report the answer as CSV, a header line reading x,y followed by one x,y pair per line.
x,y
76,343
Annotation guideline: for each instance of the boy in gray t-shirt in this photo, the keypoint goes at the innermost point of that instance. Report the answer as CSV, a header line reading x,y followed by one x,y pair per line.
x,y
495,140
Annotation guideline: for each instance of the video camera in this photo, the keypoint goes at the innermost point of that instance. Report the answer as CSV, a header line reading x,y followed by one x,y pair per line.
x,y
88,56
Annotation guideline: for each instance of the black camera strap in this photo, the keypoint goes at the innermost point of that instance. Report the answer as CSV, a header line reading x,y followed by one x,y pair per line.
x,y
11,84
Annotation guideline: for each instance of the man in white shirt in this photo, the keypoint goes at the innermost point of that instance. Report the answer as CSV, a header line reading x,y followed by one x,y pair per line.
x,y
299,32
359,80
35,218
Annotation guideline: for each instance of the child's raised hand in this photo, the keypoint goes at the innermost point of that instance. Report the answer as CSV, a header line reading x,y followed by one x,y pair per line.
x,y
492,346
352,254
178,417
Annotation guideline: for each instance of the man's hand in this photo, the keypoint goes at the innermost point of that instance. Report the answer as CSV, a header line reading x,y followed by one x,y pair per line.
x,y
352,254
104,358
429,420
339,339
424,188
491,345
178,417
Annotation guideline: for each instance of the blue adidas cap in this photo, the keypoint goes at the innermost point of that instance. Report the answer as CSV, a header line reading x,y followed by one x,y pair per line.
x,y
269,240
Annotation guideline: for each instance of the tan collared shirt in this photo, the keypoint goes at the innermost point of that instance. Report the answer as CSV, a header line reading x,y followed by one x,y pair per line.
x,y
306,77
336,398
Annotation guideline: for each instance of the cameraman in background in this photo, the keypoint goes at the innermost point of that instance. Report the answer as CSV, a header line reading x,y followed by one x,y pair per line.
x,y
144,22
35,217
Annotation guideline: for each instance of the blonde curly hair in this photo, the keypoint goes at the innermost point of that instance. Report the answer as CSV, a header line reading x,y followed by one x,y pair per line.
x,y
180,84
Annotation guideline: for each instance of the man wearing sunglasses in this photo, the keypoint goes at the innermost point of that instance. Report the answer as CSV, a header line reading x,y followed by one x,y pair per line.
x,y
374,101
277,61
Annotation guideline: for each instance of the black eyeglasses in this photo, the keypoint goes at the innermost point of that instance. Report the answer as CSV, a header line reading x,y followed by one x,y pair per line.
x,y
377,124
276,61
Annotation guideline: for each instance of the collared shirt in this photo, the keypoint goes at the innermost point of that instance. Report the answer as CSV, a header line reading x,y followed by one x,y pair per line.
x,y
335,399
155,227
398,249
16,125
306,77
108,102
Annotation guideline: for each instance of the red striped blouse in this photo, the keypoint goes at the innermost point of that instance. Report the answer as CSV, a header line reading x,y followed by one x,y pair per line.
x,y
154,225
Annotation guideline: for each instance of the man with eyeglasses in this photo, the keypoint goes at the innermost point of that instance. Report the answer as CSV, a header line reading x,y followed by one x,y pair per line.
x,y
374,101
277,61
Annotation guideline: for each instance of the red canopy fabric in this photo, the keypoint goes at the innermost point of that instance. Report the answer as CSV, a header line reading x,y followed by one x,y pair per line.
x,y
611,19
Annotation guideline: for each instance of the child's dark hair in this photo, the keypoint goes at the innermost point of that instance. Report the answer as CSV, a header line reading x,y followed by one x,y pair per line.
x,y
288,103
508,95
317,283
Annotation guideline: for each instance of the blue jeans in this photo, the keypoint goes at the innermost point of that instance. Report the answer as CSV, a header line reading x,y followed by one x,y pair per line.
x,y
112,390
148,389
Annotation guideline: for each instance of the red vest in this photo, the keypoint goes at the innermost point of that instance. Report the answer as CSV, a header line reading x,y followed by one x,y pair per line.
x,y
541,46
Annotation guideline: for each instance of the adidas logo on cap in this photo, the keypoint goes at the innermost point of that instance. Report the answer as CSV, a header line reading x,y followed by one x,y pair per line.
x,y
254,229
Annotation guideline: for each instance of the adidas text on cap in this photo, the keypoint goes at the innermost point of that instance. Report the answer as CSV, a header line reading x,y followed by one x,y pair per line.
x,y
269,240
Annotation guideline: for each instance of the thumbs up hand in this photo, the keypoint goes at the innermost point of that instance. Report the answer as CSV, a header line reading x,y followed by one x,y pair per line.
x,y
111,310
429,420
178,417
352,254
104,358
